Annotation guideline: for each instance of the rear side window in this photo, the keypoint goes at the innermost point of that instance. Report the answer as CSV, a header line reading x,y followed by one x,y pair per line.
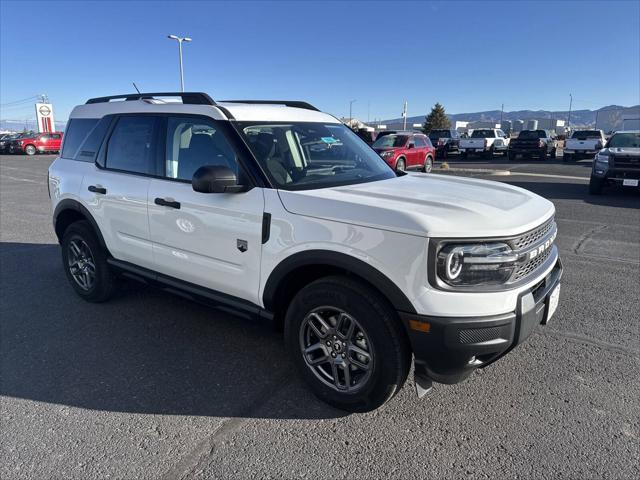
x,y
420,143
131,147
75,133
89,148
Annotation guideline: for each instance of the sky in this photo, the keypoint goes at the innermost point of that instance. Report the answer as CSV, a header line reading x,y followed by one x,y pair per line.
x,y
469,56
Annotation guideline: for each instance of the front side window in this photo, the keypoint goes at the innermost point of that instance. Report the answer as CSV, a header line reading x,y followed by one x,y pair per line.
x,y
131,147
193,142
304,155
625,140
391,141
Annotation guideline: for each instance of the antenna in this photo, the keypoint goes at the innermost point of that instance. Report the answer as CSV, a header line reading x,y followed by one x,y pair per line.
x,y
136,87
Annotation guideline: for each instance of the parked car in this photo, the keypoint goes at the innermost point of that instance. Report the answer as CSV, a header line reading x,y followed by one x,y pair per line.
x,y
536,143
37,143
618,163
367,134
445,141
406,150
279,212
5,140
484,141
583,144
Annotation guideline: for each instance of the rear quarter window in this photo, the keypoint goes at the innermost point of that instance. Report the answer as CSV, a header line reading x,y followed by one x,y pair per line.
x,y
75,133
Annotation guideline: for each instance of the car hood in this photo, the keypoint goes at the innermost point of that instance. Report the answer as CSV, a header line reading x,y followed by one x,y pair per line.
x,y
426,205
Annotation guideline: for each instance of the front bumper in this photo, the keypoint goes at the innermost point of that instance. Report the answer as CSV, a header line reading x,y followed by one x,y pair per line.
x,y
581,152
449,349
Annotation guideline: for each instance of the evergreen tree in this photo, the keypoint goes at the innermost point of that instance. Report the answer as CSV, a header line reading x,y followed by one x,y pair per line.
x,y
436,119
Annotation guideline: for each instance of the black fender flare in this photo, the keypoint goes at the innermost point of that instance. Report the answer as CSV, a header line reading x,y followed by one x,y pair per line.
x,y
70,204
339,260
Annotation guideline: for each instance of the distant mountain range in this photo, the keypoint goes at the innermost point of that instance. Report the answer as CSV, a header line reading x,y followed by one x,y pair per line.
x,y
609,117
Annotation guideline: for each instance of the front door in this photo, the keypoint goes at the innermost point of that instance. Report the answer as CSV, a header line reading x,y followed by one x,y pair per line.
x,y
213,240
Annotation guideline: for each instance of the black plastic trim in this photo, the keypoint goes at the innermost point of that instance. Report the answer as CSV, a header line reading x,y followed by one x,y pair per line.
x,y
188,98
287,103
69,204
266,227
340,260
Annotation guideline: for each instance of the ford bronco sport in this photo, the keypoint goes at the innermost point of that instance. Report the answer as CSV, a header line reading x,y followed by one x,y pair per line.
x,y
273,209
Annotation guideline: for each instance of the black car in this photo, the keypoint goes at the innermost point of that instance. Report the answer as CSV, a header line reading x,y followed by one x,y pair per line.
x,y
445,141
5,140
618,163
533,143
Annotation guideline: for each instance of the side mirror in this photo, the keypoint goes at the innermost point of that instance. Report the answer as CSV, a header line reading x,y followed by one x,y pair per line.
x,y
216,179
411,145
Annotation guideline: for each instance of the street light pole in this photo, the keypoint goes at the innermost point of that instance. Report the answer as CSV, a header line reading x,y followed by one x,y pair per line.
x,y
351,102
180,40
570,104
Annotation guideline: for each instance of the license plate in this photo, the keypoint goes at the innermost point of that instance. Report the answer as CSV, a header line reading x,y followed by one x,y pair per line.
x,y
553,303
630,182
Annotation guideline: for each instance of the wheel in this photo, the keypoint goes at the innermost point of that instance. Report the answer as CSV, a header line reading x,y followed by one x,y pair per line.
x,y
489,153
463,155
554,152
512,156
595,185
347,343
567,157
428,164
445,152
401,165
30,150
543,154
85,263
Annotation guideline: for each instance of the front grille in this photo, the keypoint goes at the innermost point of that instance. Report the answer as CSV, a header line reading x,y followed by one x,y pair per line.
x,y
626,163
532,236
532,265
480,335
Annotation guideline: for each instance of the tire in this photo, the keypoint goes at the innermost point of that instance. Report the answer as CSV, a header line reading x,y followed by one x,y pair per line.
x,y
567,157
543,154
554,153
401,165
463,155
428,164
339,301
489,153
596,185
445,153
512,156
81,248
30,150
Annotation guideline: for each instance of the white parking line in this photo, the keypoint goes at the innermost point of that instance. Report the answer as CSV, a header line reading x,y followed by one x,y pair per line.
x,y
549,175
22,179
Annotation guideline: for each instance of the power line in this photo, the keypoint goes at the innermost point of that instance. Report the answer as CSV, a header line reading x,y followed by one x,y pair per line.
x,y
24,100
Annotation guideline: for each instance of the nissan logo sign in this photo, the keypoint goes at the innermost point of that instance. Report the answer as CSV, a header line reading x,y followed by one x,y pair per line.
x,y
44,110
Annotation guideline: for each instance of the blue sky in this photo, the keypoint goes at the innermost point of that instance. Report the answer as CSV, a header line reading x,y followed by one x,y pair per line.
x,y
470,56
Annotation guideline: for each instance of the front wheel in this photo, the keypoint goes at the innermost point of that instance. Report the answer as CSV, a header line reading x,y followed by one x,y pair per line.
x,y
595,185
567,157
511,156
401,165
30,150
428,164
347,343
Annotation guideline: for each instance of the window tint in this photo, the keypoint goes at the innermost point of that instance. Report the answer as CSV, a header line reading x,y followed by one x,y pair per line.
x,y
56,136
194,142
75,133
420,143
131,146
89,148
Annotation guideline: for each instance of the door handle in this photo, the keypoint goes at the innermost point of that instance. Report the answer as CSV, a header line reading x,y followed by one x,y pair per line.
x,y
167,203
94,189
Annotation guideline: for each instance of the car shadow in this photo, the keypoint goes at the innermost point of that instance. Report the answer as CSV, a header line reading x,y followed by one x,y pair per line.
x,y
145,351
611,196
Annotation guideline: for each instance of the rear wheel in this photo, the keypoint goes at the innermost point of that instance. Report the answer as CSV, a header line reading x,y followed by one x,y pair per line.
x,y
85,263
512,156
595,185
401,165
428,164
489,153
567,157
347,343
543,154
30,150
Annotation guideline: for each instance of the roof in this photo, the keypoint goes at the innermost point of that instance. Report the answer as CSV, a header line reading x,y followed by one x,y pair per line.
x,y
202,104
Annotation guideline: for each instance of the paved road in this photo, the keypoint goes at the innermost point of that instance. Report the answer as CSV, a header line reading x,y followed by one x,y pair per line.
x,y
153,386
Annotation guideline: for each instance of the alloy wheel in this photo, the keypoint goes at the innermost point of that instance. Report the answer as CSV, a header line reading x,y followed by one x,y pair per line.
x,y
81,264
336,348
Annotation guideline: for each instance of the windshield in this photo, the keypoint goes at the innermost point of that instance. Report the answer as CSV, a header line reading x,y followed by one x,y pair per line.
x,y
435,134
303,155
531,134
584,134
482,134
389,141
625,140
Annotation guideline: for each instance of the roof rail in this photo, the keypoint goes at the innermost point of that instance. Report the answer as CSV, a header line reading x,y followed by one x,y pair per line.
x,y
287,103
190,98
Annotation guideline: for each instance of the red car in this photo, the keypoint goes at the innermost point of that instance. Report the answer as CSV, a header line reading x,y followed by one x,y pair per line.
x,y
406,150
38,142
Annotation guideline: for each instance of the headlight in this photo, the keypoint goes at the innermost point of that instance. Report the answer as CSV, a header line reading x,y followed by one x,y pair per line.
x,y
476,264
602,158
387,154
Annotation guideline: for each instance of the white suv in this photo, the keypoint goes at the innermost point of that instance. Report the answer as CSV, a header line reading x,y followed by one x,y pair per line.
x,y
274,209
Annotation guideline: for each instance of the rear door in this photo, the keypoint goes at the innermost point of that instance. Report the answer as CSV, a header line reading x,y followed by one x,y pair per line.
x,y
211,239
115,190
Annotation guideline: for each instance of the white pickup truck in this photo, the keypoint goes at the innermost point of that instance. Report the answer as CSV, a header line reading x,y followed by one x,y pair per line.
x,y
485,141
583,143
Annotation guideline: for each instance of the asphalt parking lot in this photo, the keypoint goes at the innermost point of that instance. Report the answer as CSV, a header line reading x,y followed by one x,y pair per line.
x,y
150,385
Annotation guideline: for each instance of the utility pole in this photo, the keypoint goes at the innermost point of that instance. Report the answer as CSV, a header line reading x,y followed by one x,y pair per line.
x,y
180,40
570,104
404,116
501,111
368,110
